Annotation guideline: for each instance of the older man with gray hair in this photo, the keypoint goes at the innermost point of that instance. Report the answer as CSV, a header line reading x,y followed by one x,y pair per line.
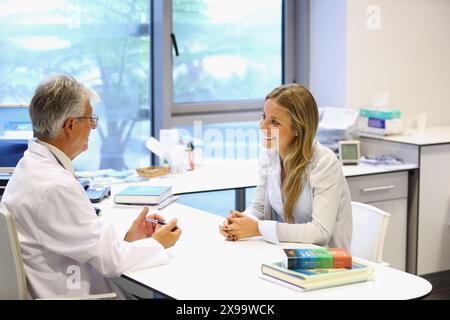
x,y
67,250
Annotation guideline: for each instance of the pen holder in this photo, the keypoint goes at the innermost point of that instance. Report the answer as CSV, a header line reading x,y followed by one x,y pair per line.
x,y
151,172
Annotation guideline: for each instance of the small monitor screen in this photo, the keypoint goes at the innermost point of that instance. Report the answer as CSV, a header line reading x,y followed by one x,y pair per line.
x,y
349,151
15,130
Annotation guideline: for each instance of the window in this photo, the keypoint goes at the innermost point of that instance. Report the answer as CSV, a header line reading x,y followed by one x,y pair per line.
x,y
106,46
230,141
228,51
230,55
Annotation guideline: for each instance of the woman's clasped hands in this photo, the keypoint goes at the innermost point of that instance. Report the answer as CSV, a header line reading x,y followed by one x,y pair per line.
x,y
239,226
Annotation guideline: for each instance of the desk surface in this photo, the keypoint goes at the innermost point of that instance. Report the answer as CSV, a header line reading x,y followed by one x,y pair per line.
x,y
205,266
224,175
429,136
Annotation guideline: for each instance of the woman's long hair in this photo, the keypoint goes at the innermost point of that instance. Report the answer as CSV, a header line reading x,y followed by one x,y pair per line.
x,y
302,108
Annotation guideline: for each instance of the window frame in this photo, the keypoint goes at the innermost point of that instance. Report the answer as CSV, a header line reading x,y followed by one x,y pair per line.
x,y
167,114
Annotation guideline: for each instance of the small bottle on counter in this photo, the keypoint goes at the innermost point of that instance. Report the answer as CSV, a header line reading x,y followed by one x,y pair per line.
x,y
190,151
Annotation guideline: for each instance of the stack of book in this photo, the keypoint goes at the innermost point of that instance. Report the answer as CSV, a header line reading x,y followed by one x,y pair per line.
x,y
311,269
318,258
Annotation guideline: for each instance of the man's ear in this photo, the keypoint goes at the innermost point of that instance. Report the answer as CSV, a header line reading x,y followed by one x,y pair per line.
x,y
69,126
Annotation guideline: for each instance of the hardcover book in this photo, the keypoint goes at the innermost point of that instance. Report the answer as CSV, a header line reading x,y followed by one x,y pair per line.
x,y
143,195
310,279
318,258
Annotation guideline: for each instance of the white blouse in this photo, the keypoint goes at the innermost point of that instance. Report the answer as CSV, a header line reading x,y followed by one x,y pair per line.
x,y
322,213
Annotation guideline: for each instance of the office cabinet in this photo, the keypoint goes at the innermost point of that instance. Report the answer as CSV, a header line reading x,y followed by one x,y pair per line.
x,y
429,196
433,250
388,192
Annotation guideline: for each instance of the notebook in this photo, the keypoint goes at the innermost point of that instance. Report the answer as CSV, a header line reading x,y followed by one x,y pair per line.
x,y
142,195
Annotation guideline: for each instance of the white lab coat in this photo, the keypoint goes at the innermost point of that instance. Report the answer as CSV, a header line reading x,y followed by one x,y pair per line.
x,y
67,250
322,212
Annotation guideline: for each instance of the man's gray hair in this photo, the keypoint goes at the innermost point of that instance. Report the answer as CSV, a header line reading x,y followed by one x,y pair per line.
x,y
55,100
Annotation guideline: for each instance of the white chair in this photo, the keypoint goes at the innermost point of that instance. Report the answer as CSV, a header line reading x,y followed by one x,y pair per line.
x,y
13,284
369,230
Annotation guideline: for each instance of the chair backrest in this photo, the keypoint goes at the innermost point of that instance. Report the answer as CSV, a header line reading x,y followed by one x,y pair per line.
x,y
13,283
369,230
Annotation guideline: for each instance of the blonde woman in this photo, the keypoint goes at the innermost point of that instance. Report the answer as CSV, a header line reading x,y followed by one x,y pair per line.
x,y
302,195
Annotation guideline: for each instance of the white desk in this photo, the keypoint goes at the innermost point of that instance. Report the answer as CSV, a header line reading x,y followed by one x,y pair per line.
x,y
429,136
367,169
241,174
238,175
205,266
212,176
227,174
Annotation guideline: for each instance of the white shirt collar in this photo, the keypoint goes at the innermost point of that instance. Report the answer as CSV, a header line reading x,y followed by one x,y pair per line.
x,y
60,156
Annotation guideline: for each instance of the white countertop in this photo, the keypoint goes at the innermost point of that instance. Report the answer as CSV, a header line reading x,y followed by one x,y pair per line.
x,y
204,265
364,169
215,176
429,136
224,175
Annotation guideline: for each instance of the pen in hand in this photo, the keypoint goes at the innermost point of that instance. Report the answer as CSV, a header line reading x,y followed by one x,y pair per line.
x,y
156,221
162,223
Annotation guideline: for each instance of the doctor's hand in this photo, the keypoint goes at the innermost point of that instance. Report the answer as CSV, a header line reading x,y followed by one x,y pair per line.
x,y
168,235
142,229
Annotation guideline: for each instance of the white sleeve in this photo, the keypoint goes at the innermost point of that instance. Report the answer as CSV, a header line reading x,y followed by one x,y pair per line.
x,y
268,230
69,226
256,209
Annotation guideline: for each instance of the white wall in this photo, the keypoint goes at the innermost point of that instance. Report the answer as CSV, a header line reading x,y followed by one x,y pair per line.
x,y
327,80
407,59
405,62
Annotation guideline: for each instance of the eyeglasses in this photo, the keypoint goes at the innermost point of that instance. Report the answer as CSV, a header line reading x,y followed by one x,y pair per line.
x,y
93,119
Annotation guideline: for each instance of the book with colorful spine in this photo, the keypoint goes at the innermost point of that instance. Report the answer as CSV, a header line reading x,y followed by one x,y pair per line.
x,y
310,279
320,258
